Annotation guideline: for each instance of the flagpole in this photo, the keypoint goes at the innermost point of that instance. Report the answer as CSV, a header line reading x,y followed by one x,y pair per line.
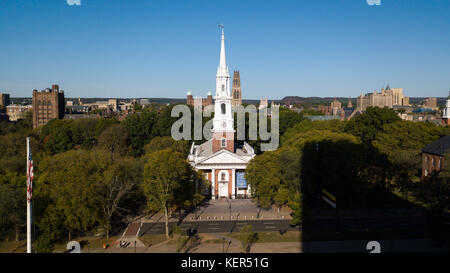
x,y
28,201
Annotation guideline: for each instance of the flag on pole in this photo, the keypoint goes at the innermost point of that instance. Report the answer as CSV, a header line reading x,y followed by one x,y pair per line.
x,y
30,174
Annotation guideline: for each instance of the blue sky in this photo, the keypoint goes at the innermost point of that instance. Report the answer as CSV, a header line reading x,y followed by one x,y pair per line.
x,y
162,48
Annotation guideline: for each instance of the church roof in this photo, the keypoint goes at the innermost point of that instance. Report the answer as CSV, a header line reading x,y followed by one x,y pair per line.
x,y
205,151
439,147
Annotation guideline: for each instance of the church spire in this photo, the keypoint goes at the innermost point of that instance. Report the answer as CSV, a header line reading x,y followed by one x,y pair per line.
x,y
223,77
223,59
222,71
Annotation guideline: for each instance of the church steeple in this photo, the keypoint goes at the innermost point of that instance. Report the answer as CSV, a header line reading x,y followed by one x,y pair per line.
x,y
223,59
222,77
223,123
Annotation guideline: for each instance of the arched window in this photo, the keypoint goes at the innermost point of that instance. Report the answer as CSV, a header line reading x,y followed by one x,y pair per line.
x,y
223,177
224,142
223,87
223,108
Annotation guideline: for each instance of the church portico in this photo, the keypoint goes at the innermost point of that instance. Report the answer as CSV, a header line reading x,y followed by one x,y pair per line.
x,y
223,178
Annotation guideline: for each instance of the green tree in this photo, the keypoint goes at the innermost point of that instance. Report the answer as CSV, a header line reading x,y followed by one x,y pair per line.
x,y
164,173
114,139
162,143
297,209
139,127
57,136
288,119
407,135
402,142
104,123
12,203
247,238
83,132
118,180
262,174
367,125
44,244
71,180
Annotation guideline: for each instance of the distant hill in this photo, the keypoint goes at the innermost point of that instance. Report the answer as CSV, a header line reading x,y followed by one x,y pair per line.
x,y
286,100
344,100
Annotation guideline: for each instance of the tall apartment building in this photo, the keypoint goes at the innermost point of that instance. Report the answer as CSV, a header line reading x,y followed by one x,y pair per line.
x,y
47,105
236,93
4,100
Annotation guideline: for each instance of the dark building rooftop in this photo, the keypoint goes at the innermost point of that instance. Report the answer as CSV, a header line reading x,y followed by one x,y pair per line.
x,y
439,147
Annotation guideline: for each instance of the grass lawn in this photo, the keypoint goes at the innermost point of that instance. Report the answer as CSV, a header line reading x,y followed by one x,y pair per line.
x,y
411,199
87,242
13,246
272,237
297,236
152,239
361,235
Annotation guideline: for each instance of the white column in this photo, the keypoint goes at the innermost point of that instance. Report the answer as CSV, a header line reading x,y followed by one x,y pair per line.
x,y
233,184
213,183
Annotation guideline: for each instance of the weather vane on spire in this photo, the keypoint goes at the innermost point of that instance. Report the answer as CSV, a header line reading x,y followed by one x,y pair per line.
x,y
221,26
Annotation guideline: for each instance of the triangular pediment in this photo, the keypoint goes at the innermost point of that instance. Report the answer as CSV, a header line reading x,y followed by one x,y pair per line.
x,y
223,157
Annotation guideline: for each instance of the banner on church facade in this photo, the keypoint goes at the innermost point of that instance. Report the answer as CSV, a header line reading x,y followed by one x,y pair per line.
x,y
240,180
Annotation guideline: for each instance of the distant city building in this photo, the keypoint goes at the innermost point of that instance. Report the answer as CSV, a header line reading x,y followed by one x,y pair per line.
x,y
433,156
77,109
237,90
326,109
16,112
47,105
114,105
386,98
349,104
4,99
205,102
446,112
336,107
430,103
69,103
264,103
144,102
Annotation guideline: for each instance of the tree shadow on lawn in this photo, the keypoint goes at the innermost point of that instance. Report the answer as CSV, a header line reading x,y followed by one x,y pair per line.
x,y
356,179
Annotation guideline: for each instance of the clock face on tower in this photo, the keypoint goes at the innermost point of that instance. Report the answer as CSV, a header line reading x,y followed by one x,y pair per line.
x,y
224,124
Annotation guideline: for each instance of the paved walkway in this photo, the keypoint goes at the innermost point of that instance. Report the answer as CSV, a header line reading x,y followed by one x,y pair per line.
x,y
220,209
401,245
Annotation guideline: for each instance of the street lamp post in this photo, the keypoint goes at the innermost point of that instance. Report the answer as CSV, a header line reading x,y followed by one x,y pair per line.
x,y
230,216
223,244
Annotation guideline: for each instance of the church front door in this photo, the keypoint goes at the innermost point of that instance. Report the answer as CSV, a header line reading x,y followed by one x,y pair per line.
x,y
223,189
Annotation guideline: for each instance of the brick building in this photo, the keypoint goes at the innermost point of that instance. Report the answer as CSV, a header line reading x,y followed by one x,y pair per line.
x,y
433,155
47,105
16,112
4,100
205,102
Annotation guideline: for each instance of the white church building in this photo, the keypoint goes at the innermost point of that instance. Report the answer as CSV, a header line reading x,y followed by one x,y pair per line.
x,y
221,159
